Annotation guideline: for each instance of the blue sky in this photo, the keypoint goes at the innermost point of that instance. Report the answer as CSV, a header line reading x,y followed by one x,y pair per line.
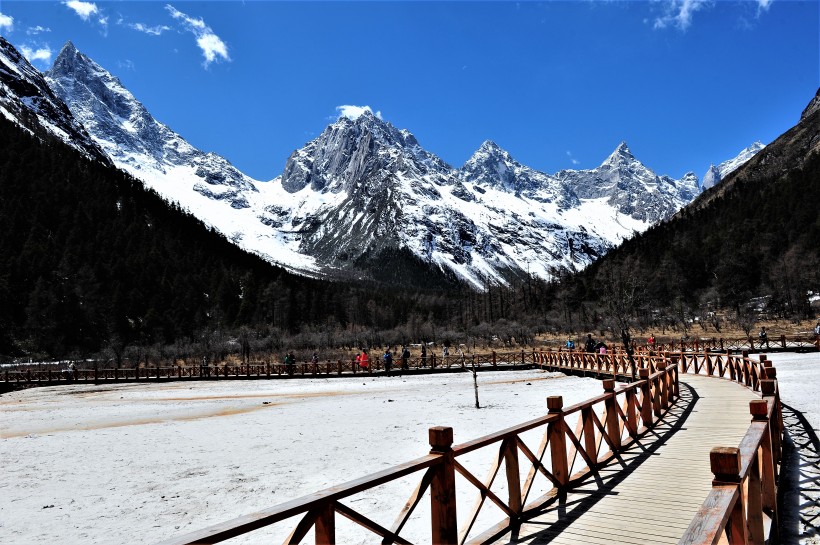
x,y
558,84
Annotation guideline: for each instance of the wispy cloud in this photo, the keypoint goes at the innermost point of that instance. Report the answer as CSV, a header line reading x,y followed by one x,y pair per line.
x,y
352,112
572,159
679,13
212,46
35,30
6,22
150,30
84,9
36,53
763,5
88,11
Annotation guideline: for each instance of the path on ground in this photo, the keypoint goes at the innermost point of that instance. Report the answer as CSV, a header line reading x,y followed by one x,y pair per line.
x,y
652,493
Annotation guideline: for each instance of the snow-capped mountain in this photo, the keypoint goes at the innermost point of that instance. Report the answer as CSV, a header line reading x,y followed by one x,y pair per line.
x,y
363,187
205,184
492,167
364,190
133,139
27,100
631,188
715,174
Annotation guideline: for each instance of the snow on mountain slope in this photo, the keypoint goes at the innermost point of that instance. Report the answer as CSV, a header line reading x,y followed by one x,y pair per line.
x,y
717,173
365,191
383,191
205,184
27,100
631,188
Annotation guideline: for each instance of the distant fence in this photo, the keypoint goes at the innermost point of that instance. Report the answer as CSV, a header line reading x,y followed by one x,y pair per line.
x,y
613,362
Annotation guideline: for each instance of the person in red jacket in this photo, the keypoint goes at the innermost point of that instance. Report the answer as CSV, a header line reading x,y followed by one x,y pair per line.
x,y
362,358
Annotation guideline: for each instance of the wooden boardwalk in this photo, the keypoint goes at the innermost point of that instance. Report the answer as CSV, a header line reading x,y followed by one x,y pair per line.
x,y
651,493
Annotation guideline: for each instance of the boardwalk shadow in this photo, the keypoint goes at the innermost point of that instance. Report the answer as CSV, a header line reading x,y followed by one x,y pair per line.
x,y
584,498
799,480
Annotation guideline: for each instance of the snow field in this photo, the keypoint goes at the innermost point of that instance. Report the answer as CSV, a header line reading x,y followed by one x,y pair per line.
x,y
142,463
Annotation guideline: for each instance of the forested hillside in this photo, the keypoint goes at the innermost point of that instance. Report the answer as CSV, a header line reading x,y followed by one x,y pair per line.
x,y
92,261
750,246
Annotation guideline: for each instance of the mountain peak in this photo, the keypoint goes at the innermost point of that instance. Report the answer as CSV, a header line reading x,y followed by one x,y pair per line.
x,y
621,154
489,145
68,48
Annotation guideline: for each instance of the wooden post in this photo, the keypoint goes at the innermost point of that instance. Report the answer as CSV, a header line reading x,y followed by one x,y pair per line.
x,y
725,465
613,428
513,475
444,524
783,341
494,360
558,442
325,528
656,394
759,408
768,388
590,445
663,387
631,412
646,395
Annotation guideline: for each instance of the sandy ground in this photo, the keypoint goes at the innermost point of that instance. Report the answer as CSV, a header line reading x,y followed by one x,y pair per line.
x,y
142,463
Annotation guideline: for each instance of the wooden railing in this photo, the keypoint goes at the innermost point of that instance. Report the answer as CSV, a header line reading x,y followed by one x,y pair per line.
x,y
744,489
558,451
699,344
259,370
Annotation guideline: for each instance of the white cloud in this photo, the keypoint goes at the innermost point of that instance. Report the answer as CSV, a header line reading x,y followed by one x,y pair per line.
x,y
36,53
6,22
151,30
352,112
678,13
572,159
84,9
34,30
212,46
763,5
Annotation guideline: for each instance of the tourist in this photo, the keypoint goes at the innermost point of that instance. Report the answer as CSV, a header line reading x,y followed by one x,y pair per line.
x,y
570,344
589,346
388,360
600,348
290,362
405,358
651,342
817,329
763,337
364,362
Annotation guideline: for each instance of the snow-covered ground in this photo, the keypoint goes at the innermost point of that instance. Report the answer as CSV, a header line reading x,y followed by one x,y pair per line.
x,y
140,463
799,382
798,377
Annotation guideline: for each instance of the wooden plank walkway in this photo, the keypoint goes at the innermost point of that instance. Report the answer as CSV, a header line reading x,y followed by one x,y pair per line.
x,y
653,491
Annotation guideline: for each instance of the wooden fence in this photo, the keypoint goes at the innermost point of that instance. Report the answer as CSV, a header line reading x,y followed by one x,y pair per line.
x,y
49,374
742,505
